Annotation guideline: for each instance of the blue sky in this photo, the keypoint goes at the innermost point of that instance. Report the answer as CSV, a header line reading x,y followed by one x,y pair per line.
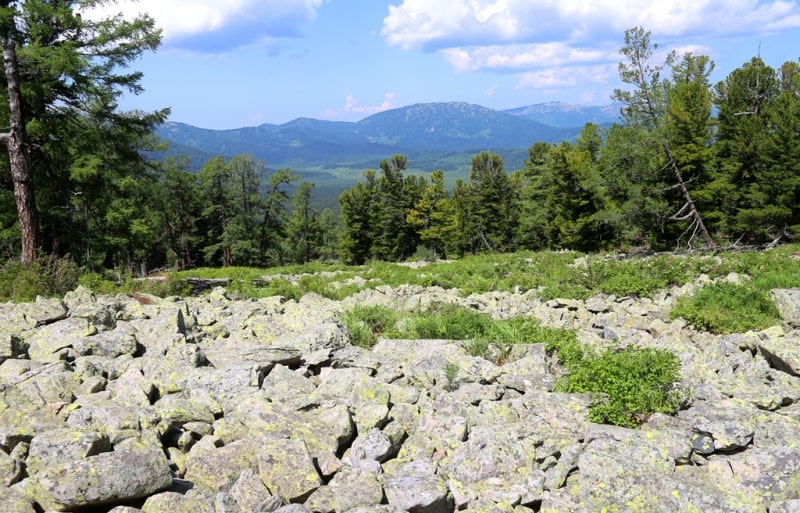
x,y
234,63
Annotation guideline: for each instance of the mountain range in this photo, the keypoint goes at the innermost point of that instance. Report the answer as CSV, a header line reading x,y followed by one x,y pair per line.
x,y
432,135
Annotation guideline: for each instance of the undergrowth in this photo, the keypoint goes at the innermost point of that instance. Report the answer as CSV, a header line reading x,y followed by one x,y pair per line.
x,y
723,308
625,383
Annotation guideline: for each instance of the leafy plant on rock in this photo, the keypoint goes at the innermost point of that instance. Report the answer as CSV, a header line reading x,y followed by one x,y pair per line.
x,y
625,383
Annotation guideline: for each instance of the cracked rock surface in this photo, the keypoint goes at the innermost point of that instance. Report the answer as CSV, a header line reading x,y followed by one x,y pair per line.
x,y
208,404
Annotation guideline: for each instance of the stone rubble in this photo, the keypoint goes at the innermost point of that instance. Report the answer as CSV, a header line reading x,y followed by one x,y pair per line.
x,y
208,404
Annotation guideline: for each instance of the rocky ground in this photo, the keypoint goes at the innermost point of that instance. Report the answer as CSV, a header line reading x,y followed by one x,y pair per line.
x,y
215,405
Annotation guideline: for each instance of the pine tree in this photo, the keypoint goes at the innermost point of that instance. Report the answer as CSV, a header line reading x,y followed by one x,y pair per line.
x,y
64,74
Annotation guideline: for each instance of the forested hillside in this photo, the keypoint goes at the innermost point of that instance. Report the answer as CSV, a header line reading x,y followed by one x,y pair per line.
x,y
669,175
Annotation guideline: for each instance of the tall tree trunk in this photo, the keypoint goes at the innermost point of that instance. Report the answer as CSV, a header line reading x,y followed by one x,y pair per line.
x,y
16,141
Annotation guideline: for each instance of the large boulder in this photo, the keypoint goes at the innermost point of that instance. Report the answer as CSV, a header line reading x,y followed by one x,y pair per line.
x,y
106,478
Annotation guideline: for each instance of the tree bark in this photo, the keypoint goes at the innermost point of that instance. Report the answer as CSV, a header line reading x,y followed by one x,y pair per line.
x,y
19,158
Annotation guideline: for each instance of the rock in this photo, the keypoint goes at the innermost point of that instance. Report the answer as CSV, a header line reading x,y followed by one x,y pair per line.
x,y
262,405
418,489
373,446
251,494
10,469
355,489
13,501
105,478
54,342
781,353
787,301
177,503
219,469
63,445
287,469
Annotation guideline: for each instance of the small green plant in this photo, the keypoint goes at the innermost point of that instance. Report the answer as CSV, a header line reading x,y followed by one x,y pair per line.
x,y
724,307
445,321
366,323
625,383
450,374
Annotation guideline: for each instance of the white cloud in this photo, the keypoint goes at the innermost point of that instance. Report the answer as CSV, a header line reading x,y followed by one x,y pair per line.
x,y
352,107
437,24
554,44
568,76
528,56
219,25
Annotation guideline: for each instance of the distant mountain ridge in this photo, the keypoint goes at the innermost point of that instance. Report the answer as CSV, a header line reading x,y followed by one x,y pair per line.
x,y
568,115
432,135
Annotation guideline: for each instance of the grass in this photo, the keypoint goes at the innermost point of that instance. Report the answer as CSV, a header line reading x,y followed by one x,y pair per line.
x,y
724,307
478,331
569,275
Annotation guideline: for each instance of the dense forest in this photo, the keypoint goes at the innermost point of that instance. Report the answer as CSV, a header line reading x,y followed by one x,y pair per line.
x,y
693,164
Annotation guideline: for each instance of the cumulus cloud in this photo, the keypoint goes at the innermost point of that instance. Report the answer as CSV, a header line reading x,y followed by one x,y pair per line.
x,y
517,56
352,108
567,76
551,44
220,25
438,24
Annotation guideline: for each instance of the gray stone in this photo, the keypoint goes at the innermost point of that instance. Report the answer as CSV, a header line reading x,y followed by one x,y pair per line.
x,y
108,477
251,494
787,301
54,342
219,469
287,469
64,445
420,492
14,501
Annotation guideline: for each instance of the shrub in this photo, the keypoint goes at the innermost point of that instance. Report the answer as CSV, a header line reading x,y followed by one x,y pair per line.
x,y
43,277
625,383
724,307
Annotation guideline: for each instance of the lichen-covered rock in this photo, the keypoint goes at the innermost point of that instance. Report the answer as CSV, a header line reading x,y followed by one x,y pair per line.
x,y
10,469
781,353
416,488
251,494
787,301
218,470
177,503
54,342
14,501
105,478
63,445
287,469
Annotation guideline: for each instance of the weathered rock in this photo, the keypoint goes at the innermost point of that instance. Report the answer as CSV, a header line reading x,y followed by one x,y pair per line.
x,y
10,469
787,301
239,393
178,503
63,445
219,469
54,342
287,469
251,494
14,501
416,488
102,479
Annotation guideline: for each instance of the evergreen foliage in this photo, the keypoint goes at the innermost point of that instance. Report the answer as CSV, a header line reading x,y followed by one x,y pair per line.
x,y
671,175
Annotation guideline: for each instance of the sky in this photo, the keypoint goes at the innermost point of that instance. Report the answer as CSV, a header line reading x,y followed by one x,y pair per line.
x,y
235,63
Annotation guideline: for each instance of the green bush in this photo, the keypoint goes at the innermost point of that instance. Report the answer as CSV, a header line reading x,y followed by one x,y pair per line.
x,y
43,277
625,383
724,307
